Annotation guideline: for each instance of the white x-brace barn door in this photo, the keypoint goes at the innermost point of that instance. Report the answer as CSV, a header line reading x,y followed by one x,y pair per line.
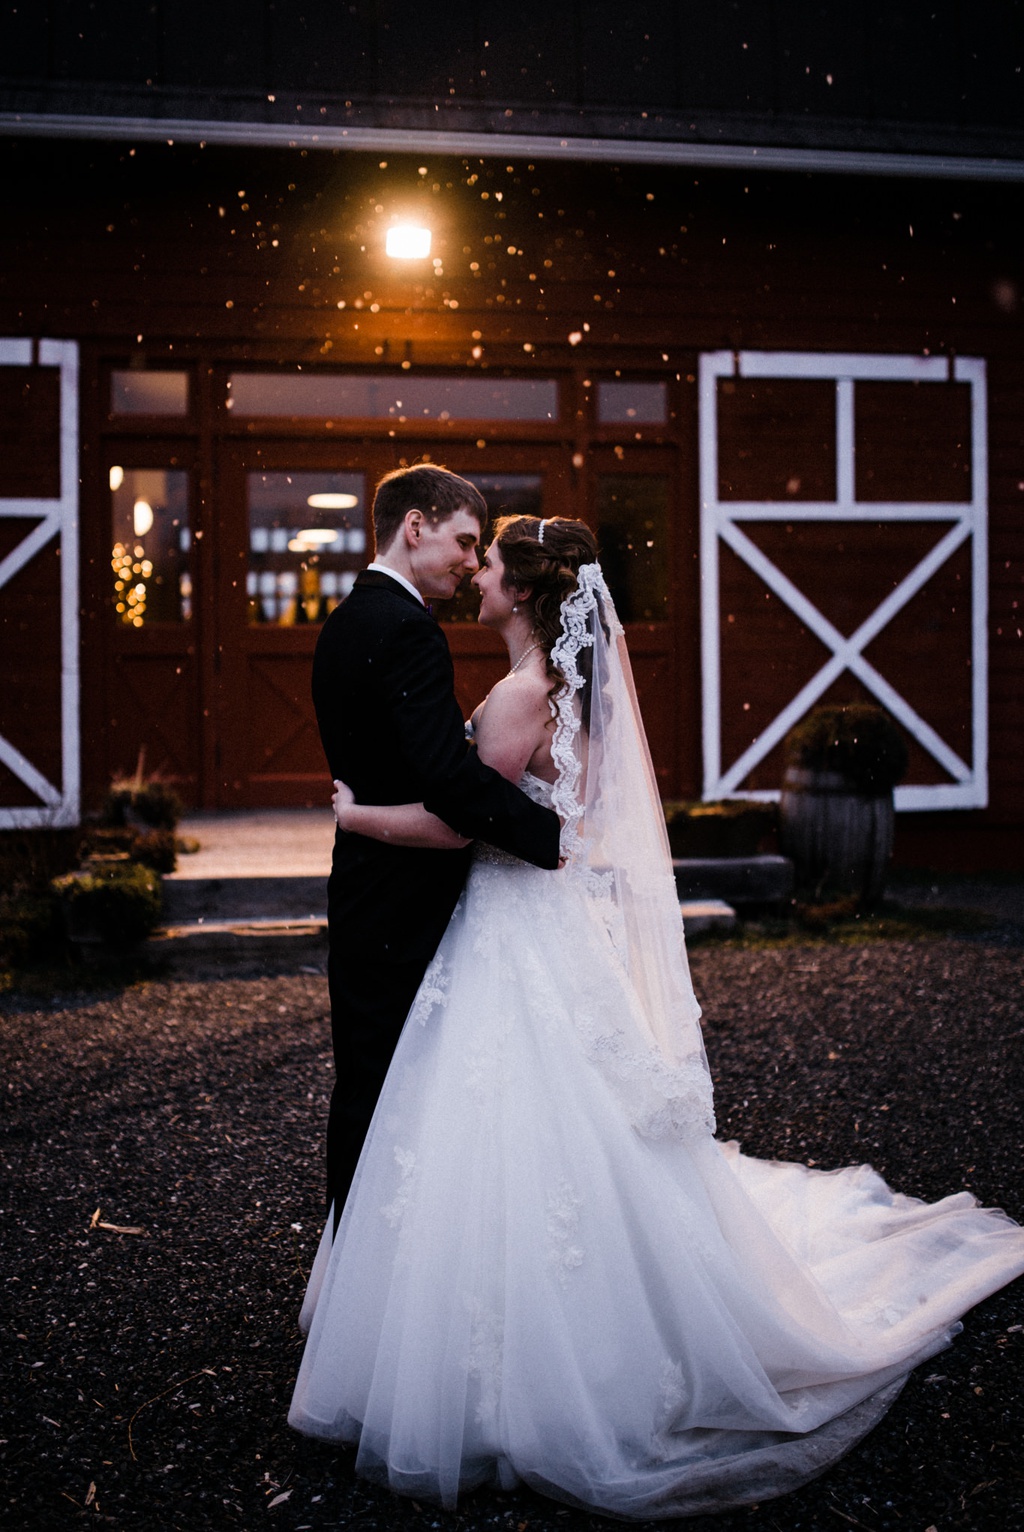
x,y
49,520
960,522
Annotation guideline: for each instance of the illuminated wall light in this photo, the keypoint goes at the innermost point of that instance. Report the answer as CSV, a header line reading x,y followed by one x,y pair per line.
x,y
116,477
407,242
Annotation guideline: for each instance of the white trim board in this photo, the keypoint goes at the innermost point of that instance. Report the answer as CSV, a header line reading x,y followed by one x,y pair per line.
x,y
500,142
721,523
61,805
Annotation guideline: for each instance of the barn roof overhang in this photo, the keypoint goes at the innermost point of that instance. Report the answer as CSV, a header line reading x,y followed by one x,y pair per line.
x,y
726,142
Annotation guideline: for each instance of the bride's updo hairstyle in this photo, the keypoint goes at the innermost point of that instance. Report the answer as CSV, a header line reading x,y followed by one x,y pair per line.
x,y
548,569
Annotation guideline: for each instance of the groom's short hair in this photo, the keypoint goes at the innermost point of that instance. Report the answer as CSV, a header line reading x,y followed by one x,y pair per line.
x,y
426,487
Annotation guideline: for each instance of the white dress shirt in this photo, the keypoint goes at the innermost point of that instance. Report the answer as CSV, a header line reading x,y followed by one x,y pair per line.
x,y
410,587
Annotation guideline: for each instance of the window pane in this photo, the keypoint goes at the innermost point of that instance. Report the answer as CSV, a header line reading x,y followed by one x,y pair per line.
x,y
632,534
307,542
507,494
642,402
149,393
377,396
151,556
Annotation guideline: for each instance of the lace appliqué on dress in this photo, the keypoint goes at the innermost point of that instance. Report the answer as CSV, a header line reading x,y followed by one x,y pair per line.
x,y
394,1211
486,1347
664,1100
433,991
674,1394
563,1222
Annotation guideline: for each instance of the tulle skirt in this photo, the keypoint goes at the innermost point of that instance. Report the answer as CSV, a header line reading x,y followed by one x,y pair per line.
x,y
526,1286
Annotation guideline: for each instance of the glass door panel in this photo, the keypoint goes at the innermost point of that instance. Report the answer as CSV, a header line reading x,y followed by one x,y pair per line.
x,y
293,530
307,542
151,546
146,592
506,494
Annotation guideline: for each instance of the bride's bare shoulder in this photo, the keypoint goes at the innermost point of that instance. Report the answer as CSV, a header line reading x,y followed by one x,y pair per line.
x,y
526,691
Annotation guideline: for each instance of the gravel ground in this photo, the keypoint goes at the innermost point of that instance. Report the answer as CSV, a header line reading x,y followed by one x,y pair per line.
x,y
162,1142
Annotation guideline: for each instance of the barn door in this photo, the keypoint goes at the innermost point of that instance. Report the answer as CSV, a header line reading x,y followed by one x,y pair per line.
x,y
39,701
843,558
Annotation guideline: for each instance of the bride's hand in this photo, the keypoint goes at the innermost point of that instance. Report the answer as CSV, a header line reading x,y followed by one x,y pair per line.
x,y
341,799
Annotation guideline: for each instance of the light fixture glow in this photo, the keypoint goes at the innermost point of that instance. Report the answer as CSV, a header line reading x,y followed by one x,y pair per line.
x,y
116,476
317,537
142,517
332,502
407,242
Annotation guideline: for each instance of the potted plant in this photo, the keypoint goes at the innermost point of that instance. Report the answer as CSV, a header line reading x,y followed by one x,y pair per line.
x,y
836,814
143,802
138,818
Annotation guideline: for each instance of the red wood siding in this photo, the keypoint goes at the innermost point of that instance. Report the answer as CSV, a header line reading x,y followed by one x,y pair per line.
x,y
214,258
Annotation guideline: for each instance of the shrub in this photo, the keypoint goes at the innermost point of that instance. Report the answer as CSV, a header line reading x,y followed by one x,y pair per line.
x,y
30,858
29,926
117,903
860,742
29,912
153,848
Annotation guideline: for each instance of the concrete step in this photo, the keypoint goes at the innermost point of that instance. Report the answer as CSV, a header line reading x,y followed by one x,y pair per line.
x,y
249,941
739,880
703,915
279,897
256,890
250,944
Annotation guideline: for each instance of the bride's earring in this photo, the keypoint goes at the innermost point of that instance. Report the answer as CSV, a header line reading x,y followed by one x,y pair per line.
x,y
515,609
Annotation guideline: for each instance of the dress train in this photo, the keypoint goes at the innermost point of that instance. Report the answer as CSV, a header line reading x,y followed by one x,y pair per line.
x,y
546,1271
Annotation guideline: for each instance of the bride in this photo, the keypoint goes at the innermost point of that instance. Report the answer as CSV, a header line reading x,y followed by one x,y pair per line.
x,y
548,1269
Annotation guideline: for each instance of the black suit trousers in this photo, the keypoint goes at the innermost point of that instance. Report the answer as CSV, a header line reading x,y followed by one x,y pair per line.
x,y
368,1010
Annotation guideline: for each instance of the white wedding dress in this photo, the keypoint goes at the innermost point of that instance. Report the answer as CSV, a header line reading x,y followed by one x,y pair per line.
x,y
549,1270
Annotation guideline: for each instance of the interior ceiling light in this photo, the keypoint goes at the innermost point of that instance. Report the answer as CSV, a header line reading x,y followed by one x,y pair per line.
x,y
317,537
408,242
329,501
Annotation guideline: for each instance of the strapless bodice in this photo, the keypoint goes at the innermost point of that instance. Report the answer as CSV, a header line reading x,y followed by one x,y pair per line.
x,y
536,788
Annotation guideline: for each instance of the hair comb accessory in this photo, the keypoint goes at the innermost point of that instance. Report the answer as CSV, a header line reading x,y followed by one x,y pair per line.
x,y
540,533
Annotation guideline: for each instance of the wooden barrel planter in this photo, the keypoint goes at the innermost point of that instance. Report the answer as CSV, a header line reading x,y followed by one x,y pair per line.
x,y
838,837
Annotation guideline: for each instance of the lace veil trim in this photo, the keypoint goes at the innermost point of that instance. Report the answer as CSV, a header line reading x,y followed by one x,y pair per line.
x,y
615,844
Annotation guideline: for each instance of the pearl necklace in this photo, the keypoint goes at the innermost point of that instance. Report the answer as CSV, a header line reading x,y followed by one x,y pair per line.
x,y
522,657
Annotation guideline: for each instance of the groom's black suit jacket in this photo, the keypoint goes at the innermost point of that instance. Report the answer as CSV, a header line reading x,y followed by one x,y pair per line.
x,y
383,690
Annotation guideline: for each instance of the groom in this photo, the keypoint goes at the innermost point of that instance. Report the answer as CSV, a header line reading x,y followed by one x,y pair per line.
x,y
383,689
